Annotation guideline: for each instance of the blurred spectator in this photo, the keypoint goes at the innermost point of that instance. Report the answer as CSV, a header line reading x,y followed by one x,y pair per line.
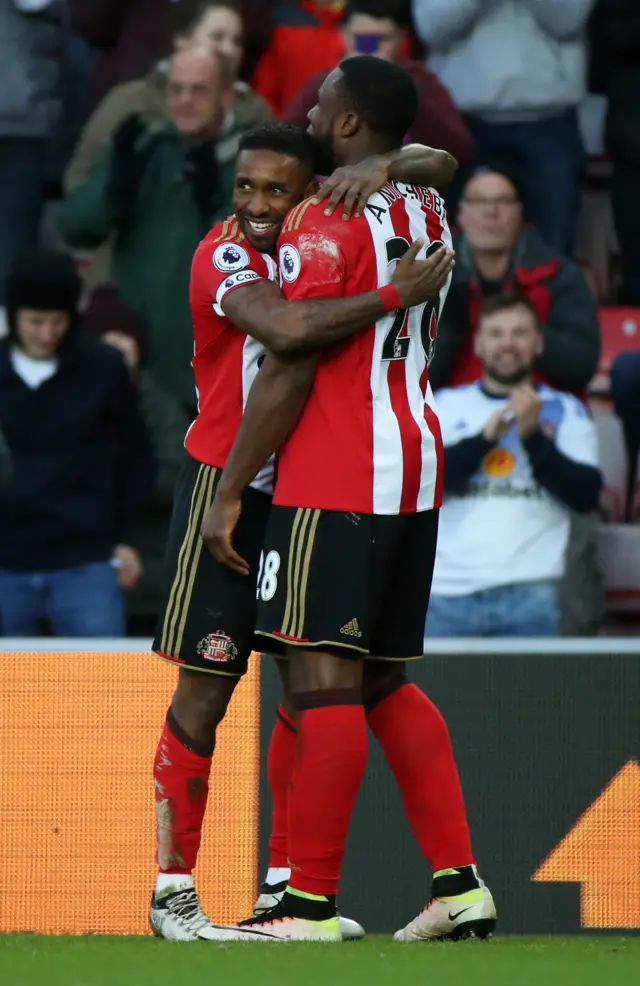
x,y
220,26
258,24
517,69
256,18
167,422
159,188
616,29
31,39
496,253
380,27
625,391
518,461
305,40
131,35
81,458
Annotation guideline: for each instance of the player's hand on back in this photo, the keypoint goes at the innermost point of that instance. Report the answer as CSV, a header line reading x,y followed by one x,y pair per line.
x,y
217,530
417,281
353,185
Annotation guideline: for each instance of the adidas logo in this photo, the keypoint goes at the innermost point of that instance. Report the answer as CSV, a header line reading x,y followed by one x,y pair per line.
x,y
351,629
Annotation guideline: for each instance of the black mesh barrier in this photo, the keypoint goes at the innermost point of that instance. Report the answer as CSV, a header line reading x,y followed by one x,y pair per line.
x,y
548,748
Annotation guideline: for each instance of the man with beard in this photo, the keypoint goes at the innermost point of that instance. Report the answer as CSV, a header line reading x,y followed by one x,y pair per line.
x,y
206,627
518,460
351,538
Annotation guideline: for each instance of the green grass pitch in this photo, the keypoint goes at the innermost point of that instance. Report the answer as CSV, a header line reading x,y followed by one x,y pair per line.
x,y
32,960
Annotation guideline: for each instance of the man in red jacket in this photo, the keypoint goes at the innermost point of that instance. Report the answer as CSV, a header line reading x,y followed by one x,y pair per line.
x,y
305,40
497,254
381,27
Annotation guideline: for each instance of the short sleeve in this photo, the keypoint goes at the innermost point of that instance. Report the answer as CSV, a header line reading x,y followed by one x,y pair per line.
x,y
311,256
576,436
223,266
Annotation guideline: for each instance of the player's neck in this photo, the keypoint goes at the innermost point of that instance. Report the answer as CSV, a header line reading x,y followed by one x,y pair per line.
x,y
492,265
357,150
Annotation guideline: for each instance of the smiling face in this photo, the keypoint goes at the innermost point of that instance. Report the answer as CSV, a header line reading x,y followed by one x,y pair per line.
x,y
195,93
508,342
268,185
221,28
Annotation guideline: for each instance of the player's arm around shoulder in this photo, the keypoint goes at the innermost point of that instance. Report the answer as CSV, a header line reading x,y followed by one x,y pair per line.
x,y
318,254
288,329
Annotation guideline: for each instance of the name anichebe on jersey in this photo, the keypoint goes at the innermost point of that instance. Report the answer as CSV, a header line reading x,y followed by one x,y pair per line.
x,y
393,191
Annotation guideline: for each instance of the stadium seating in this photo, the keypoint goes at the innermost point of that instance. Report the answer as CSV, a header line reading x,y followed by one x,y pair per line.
x,y
619,332
618,542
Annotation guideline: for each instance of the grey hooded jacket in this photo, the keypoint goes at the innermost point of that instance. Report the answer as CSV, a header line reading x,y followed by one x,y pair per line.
x,y
507,60
31,38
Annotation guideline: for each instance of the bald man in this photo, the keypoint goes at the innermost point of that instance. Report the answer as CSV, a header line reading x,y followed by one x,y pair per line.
x,y
199,92
155,191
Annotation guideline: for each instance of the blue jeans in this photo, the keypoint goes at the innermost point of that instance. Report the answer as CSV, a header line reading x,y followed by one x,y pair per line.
x,y
77,602
549,156
528,609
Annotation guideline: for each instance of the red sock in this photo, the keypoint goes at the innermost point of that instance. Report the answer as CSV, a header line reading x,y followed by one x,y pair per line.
x,y
181,782
280,758
416,743
331,757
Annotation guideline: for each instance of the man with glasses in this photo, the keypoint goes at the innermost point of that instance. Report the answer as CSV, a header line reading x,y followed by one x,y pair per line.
x,y
497,253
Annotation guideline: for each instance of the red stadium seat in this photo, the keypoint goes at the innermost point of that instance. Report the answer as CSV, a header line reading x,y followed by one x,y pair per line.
x,y
619,332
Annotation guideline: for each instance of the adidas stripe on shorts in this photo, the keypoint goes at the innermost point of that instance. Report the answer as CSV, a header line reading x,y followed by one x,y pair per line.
x,y
354,584
208,615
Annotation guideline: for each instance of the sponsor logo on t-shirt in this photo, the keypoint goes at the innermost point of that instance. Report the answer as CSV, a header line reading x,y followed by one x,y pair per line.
x,y
499,462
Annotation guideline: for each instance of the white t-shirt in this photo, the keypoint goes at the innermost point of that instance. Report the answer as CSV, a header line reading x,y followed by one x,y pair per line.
x,y
505,528
33,372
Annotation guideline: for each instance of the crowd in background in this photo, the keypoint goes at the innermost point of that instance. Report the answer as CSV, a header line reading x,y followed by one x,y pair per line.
x,y
119,128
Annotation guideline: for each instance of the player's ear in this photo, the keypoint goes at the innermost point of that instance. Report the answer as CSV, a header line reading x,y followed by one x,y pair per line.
x,y
348,125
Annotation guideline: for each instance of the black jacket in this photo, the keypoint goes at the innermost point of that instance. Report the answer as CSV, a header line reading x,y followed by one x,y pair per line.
x,y
560,294
616,40
5,463
82,461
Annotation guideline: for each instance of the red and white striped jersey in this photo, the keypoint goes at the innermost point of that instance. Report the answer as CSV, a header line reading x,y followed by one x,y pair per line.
x,y
225,360
368,440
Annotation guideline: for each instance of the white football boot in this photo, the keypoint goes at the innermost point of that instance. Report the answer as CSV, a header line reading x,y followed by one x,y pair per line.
x,y
176,915
470,915
271,926
271,895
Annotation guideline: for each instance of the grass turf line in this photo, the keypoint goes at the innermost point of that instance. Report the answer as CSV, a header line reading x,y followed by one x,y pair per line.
x,y
37,960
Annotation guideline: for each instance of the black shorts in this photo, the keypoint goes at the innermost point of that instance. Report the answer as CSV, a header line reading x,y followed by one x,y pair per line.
x,y
354,584
208,617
